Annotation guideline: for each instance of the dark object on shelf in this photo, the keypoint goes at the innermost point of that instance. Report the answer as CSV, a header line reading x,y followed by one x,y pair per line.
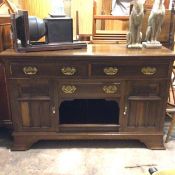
x,y
28,30
59,29
37,28
152,170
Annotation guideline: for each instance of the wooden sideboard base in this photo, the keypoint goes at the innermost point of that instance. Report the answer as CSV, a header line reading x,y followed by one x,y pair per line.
x,y
24,140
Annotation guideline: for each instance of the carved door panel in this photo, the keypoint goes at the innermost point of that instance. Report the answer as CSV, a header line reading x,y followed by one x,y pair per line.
x,y
144,113
34,105
144,106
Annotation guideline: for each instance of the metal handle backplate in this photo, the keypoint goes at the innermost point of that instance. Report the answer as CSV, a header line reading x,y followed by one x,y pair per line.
x,y
29,70
111,89
110,70
69,89
68,71
148,70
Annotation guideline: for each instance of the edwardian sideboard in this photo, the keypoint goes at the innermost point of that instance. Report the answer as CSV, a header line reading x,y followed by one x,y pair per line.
x,y
102,92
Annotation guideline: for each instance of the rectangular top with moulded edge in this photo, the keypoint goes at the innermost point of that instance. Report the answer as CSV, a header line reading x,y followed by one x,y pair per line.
x,y
94,50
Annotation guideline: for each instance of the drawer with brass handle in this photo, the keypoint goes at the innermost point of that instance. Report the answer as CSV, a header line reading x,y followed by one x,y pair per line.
x,y
147,71
90,90
129,71
32,70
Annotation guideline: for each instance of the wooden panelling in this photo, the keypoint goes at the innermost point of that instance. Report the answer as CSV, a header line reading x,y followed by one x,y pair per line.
x,y
143,112
7,41
85,11
25,114
35,104
28,90
117,25
5,117
40,116
39,8
4,19
5,32
106,7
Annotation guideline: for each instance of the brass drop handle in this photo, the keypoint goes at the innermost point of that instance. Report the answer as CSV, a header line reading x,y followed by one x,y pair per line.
x,y
111,89
69,89
148,70
69,71
125,111
29,70
110,71
53,110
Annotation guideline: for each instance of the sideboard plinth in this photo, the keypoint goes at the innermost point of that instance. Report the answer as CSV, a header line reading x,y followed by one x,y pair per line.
x,y
24,140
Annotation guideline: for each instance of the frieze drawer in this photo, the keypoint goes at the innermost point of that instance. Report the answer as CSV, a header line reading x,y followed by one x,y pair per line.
x,y
32,70
90,90
142,71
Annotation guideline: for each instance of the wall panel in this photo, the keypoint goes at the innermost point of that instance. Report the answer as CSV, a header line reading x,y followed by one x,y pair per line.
x,y
39,8
85,11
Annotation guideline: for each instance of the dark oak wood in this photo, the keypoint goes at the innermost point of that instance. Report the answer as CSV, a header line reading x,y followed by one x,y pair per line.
x,y
136,80
5,29
5,117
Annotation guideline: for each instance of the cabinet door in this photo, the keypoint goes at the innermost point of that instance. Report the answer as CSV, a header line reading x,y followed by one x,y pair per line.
x,y
33,105
144,113
145,106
